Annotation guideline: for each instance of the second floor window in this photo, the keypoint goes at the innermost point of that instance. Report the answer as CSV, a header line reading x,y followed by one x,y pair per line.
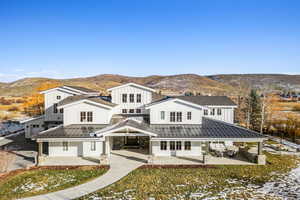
x,y
179,117
124,98
212,111
138,110
61,110
131,98
58,97
131,110
219,111
124,110
189,115
55,108
86,116
172,116
162,115
138,98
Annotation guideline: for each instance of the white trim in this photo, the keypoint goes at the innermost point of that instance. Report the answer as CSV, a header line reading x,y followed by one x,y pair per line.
x,y
69,139
85,101
106,133
211,139
73,89
220,106
60,89
175,100
31,119
132,84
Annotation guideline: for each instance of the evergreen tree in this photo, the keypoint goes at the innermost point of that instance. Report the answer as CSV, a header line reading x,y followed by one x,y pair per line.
x,y
255,110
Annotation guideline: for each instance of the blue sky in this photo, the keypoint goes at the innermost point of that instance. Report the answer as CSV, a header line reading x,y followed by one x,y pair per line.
x,y
72,38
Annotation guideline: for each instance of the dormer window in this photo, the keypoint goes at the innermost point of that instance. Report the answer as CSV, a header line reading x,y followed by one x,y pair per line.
x,y
124,98
138,98
131,98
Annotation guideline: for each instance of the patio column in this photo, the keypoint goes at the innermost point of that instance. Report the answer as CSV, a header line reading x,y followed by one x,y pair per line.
x,y
259,148
40,149
150,146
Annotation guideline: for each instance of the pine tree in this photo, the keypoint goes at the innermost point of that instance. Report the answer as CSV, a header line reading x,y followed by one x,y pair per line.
x,y
255,110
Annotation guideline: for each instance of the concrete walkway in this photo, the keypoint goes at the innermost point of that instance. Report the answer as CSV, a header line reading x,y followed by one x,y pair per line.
x,y
120,166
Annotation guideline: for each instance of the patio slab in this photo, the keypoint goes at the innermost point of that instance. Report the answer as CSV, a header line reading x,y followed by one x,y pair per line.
x,y
68,161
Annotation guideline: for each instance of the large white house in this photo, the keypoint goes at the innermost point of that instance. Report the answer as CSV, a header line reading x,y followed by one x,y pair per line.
x,y
79,122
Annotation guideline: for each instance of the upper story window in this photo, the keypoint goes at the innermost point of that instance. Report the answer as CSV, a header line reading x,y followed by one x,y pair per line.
x,y
138,98
131,98
61,110
124,98
189,115
55,108
162,115
179,117
172,116
86,116
131,110
212,111
124,110
138,110
163,145
58,97
219,111
205,112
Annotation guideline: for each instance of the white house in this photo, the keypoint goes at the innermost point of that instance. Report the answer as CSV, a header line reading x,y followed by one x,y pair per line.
x,y
79,122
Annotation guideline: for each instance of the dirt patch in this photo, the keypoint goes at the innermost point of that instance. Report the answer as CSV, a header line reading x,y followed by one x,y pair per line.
x,y
6,160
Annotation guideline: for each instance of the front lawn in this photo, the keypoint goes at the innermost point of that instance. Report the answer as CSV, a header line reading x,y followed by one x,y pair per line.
x,y
43,180
216,182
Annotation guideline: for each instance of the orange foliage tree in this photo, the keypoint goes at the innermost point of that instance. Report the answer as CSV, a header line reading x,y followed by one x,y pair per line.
x,y
34,105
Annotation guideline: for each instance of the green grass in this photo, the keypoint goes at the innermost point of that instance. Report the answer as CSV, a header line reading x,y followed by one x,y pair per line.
x,y
40,181
167,183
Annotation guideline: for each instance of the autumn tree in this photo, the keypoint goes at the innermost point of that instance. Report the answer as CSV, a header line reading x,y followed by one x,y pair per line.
x,y
34,104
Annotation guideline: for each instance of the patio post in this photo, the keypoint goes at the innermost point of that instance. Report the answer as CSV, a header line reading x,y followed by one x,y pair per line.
x,y
150,146
40,149
259,148
261,159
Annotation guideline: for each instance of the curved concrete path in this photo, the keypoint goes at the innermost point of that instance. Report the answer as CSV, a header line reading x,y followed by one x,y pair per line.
x,y
120,166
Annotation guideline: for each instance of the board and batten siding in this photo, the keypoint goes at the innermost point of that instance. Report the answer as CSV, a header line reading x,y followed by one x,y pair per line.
x,y
101,115
196,149
50,100
75,149
227,114
116,94
173,106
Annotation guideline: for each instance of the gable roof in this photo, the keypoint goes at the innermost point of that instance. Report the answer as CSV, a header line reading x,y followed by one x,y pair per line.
x,y
199,100
132,84
96,99
73,90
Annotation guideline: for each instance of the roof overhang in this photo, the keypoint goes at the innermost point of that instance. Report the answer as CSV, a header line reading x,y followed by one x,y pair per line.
x,y
211,139
176,100
62,90
69,139
86,101
132,84
112,132
31,119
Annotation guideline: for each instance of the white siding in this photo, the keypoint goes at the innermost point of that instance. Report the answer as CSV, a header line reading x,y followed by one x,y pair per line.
x,y
101,115
116,94
75,149
50,100
227,114
196,149
170,106
30,127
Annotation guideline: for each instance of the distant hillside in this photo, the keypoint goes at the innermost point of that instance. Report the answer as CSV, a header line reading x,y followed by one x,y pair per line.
x,y
273,81
166,84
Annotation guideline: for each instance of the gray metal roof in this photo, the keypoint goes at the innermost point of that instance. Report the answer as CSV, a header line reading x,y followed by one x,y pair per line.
x,y
97,99
87,90
200,100
71,131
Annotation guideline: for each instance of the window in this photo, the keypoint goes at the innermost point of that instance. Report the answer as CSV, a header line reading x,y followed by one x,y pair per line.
x,y
131,110
131,98
82,116
179,117
65,146
189,115
89,116
163,145
162,115
61,110
172,145
138,98
205,112
93,146
212,111
219,111
55,108
187,145
138,110
35,126
124,98
178,145
124,110
172,116
58,97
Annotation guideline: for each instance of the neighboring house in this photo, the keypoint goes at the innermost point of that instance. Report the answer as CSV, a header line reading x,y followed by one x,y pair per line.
x,y
135,116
